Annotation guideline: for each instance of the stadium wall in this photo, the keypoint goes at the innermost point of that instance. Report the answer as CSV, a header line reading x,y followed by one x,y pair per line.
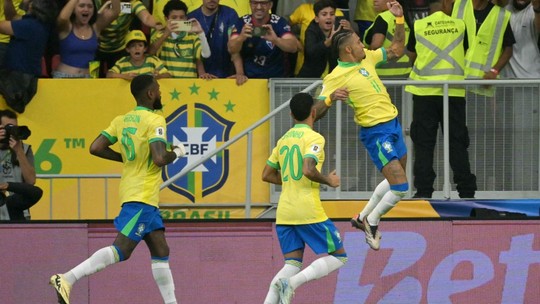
x,y
428,261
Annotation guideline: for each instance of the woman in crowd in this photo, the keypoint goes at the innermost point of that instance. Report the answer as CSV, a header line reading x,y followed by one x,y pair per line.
x,y
78,27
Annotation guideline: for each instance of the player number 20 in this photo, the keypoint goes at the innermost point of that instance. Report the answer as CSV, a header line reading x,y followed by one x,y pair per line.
x,y
289,168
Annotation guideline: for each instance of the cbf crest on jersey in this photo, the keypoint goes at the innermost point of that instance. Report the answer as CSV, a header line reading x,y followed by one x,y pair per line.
x,y
200,129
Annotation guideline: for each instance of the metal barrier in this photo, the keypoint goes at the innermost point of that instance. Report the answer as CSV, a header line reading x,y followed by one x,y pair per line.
x,y
504,139
504,151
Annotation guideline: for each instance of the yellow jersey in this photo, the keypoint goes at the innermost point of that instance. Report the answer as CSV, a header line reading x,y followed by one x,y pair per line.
x,y
136,130
299,202
367,94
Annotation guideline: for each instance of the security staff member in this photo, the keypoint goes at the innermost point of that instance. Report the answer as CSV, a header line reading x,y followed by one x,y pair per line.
x,y
438,47
381,34
490,39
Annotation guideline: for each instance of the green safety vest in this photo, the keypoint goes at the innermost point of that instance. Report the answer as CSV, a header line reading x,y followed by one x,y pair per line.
x,y
396,68
440,54
486,47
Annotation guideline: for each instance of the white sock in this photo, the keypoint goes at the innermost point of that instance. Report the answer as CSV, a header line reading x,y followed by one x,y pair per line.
x,y
287,271
98,261
164,280
388,202
321,267
375,198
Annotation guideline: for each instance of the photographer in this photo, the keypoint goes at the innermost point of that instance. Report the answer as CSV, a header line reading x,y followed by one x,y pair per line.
x,y
17,176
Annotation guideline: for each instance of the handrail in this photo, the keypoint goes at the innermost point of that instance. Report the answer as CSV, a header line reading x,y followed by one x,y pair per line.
x,y
535,83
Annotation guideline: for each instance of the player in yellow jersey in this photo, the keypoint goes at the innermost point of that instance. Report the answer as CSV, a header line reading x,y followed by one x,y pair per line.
x,y
295,163
143,138
356,82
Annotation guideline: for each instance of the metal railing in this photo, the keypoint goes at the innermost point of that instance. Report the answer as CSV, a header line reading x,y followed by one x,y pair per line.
x,y
504,151
504,135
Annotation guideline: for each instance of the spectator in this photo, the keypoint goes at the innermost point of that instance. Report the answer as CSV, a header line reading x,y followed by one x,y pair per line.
x,y
180,50
137,62
415,10
439,49
319,60
261,41
240,7
380,34
217,21
296,163
355,81
17,190
524,64
491,45
29,35
364,15
303,16
4,39
78,27
525,60
112,40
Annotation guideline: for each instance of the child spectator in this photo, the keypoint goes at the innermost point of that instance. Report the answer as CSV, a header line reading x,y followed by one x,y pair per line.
x,y
112,39
302,17
319,59
79,27
180,48
137,62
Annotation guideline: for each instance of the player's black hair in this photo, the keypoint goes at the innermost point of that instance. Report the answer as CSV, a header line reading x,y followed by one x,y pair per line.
x,y
140,84
174,5
322,4
339,39
301,105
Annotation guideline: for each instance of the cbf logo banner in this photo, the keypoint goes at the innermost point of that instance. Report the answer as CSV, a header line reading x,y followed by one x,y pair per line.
x,y
201,114
209,128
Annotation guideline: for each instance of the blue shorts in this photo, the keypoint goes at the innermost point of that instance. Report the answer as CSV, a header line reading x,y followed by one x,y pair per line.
x,y
384,142
321,237
137,220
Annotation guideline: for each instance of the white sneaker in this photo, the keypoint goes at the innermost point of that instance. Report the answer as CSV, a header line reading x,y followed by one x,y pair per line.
x,y
374,241
285,291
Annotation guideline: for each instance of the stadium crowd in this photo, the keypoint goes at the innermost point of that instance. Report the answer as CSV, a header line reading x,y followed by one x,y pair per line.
x,y
248,39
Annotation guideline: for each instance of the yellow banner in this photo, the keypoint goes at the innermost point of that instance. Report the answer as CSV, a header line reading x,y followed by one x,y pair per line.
x,y
66,115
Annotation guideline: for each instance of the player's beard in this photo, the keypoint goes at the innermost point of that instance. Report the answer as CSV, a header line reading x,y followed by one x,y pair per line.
x,y
157,104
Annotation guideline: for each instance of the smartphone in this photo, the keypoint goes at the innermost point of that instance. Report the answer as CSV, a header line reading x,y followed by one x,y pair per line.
x,y
259,31
182,25
125,7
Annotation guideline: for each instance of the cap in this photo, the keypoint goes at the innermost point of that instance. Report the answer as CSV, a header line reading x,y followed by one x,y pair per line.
x,y
137,35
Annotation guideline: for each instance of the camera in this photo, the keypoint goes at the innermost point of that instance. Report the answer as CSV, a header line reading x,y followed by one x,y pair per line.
x,y
182,25
259,31
18,132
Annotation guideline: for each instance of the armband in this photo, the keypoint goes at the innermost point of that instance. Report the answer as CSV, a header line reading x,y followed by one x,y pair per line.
x,y
494,71
400,20
328,101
